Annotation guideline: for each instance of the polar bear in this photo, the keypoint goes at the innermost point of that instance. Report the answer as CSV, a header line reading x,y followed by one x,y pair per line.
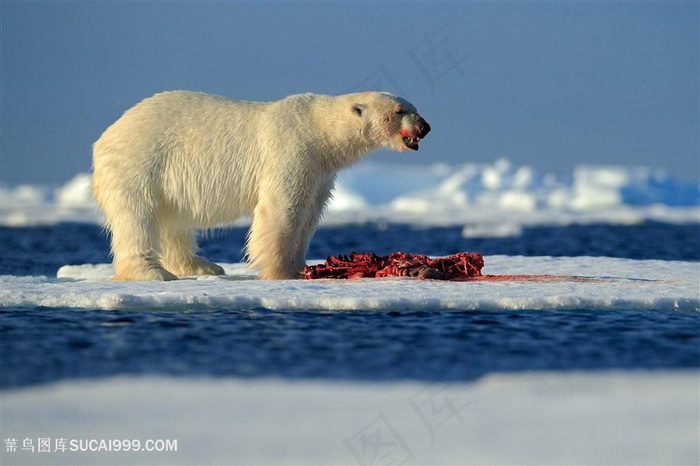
x,y
182,161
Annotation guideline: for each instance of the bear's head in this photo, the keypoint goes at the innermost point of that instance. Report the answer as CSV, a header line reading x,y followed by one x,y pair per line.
x,y
389,121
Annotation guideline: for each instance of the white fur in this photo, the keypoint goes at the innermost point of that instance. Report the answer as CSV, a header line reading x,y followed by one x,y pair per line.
x,y
182,161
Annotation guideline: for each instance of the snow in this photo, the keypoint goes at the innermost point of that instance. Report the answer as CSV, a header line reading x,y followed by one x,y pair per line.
x,y
622,284
439,194
631,417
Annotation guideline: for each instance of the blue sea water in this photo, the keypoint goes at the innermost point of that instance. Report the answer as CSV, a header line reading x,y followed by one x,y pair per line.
x,y
41,345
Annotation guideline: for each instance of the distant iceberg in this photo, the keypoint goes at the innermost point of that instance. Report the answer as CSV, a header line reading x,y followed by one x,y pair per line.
x,y
481,197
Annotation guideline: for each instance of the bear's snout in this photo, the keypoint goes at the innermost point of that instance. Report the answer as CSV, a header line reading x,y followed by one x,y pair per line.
x,y
411,137
423,127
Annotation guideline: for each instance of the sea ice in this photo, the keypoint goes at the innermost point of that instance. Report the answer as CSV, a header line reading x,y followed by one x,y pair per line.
x,y
619,417
624,284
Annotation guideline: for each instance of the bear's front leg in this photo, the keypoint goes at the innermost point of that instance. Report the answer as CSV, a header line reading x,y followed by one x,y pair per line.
x,y
270,246
310,216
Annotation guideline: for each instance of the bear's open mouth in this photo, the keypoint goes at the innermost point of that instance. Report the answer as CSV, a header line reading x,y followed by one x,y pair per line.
x,y
411,142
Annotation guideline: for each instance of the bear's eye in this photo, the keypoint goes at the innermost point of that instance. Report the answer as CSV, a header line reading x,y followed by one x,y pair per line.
x,y
400,111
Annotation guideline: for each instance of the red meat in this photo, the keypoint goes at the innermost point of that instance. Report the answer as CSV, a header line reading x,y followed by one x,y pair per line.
x,y
399,264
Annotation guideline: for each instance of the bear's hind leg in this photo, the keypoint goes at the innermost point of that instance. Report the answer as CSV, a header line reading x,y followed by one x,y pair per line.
x,y
134,253
178,250
142,268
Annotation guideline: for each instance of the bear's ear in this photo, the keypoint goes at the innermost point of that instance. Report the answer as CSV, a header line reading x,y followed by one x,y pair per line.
x,y
357,109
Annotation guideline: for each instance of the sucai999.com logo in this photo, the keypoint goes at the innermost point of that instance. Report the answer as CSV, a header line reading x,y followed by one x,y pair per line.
x,y
93,445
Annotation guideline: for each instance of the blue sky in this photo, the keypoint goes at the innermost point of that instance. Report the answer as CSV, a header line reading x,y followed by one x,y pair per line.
x,y
547,84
